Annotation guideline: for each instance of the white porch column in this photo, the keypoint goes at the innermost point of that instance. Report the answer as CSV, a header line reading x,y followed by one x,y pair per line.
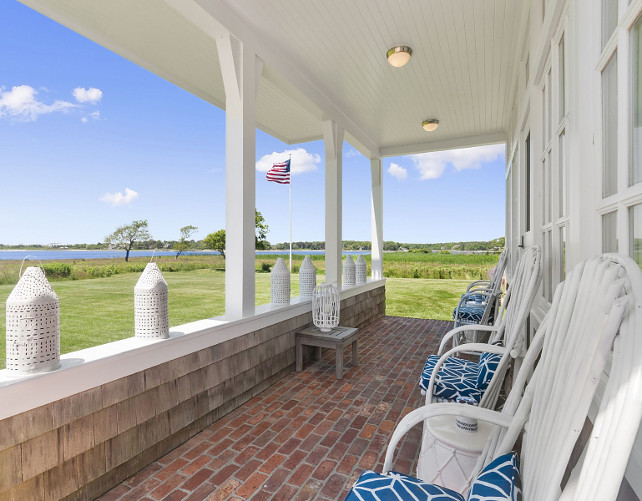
x,y
241,71
333,139
376,170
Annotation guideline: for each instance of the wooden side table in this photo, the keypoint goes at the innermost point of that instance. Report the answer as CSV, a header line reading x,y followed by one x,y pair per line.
x,y
337,339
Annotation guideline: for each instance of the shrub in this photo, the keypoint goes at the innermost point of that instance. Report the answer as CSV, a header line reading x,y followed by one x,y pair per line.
x,y
57,270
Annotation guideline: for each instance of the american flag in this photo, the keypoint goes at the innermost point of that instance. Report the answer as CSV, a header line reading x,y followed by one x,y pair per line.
x,y
280,173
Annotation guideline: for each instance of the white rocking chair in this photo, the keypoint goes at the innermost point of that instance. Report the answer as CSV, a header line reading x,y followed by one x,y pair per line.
x,y
596,316
447,378
479,304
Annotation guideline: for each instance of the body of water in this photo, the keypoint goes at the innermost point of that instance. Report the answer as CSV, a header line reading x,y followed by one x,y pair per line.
x,y
48,255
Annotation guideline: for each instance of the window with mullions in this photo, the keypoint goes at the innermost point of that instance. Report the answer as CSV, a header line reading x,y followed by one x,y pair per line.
x,y
609,232
635,172
609,19
635,232
562,78
609,128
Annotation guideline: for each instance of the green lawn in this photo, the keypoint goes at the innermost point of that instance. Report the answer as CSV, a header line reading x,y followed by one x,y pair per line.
x,y
98,311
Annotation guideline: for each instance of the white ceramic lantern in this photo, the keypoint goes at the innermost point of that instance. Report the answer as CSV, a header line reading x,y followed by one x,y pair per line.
x,y
349,272
33,324
361,270
307,278
326,307
280,283
151,310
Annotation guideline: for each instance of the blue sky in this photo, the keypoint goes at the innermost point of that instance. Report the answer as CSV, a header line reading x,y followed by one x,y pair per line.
x,y
90,141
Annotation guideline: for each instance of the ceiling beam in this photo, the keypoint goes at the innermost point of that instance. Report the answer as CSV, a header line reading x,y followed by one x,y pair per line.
x,y
445,144
225,16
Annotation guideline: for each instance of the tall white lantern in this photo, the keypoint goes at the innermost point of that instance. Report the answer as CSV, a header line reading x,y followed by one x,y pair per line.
x,y
307,278
361,270
349,272
280,283
326,307
151,310
33,325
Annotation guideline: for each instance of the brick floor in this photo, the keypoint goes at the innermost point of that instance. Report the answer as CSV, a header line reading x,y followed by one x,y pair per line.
x,y
308,436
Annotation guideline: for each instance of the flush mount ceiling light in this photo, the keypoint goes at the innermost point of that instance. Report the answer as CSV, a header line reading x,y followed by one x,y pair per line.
x,y
398,56
430,124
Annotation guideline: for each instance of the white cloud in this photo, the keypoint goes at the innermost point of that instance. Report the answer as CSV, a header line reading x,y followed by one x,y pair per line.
x,y
95,115
119,198
351,153
397,171
91,95
302,161
432,165
20,103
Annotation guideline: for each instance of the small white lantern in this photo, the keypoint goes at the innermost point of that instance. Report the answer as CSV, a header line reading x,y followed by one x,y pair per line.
x,y
307,278
33,324
325,307
361,270
280,283
349,272
151,310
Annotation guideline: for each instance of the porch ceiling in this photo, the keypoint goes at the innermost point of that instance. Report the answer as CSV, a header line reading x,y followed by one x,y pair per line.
x,y
326,60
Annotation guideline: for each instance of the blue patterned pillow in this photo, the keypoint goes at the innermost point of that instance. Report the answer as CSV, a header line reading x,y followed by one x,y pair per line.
x,y
372,486
499,481
486,366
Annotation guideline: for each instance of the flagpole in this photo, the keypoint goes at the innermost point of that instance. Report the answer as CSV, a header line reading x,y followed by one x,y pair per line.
x,y
290,213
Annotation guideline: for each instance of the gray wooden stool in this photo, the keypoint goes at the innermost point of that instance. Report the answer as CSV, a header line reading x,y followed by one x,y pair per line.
x,y
337,339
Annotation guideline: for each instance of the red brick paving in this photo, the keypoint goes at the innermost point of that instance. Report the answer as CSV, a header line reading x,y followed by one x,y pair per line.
x,y
308,436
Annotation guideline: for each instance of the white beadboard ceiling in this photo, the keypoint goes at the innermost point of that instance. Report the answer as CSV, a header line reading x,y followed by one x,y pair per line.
x,y
326,60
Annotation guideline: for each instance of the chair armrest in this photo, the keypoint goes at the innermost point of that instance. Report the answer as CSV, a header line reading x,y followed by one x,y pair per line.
x,y
480,347
477,283
443,409
464,328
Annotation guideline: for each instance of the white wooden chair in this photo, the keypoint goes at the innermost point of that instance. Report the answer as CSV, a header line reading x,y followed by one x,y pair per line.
x,y
594,326
479,304
447,378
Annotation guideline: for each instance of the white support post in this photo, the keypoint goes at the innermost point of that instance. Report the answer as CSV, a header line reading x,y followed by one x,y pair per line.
x,y
241,71
333,139
376,170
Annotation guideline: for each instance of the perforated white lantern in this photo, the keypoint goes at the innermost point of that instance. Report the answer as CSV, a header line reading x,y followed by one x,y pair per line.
x,y
307,278
151,309
349,272
326,307
361,270
280,283
33,324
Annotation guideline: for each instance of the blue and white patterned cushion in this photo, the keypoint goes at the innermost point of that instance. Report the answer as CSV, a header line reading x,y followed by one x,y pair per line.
x,y
487,366
460,378
472,314
371,486
499,481
469,313
457,378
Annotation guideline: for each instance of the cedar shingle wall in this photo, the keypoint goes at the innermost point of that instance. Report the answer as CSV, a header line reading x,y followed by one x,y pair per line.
x,y
81,446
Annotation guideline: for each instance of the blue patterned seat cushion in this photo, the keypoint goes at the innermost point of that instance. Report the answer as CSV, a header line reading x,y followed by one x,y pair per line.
x,y
371,486
486,368
460,378
472,314
499,481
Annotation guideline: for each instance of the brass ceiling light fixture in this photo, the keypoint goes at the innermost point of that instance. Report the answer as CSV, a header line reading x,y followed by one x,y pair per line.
x,y
430,125
399,55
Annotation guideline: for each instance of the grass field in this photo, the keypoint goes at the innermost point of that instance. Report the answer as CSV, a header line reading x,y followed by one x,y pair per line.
x,y
98,311
396,265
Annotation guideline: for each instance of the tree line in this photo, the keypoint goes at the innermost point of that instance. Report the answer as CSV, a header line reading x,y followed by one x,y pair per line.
x,y
136,236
